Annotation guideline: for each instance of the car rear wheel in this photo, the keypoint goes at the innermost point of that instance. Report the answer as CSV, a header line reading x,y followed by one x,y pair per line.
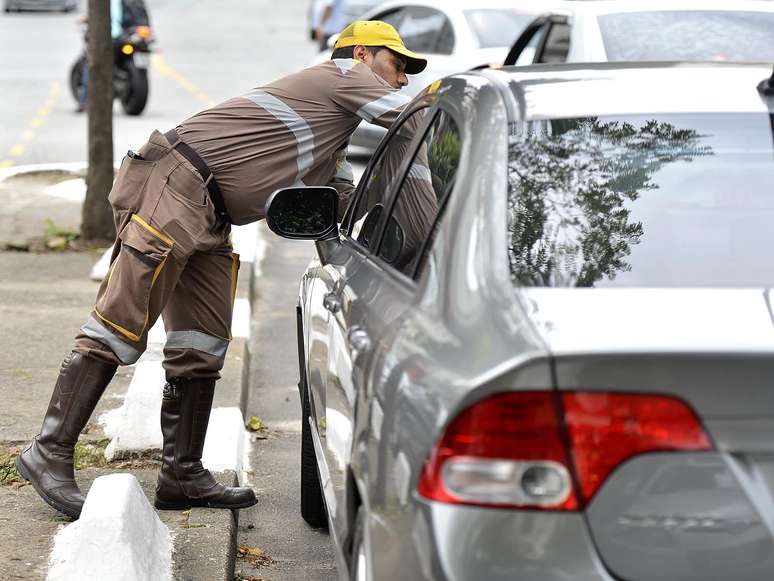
x,y
358,566
312,500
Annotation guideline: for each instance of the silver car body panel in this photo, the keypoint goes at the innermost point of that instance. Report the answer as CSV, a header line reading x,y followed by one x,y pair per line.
x,y
462,332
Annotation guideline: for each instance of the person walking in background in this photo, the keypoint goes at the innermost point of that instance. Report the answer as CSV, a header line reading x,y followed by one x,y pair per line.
x,y
332,20
174,202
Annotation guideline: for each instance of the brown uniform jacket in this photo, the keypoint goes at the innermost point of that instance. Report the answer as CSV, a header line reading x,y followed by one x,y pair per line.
x,y
292,131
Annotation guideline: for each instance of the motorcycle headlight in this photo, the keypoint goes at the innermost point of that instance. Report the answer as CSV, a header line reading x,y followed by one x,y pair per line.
x,y
127,49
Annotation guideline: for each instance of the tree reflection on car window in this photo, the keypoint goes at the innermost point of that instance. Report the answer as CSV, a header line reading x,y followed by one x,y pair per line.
x,y
574,184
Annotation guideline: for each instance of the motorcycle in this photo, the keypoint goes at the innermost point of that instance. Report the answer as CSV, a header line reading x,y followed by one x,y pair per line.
x,y
131,60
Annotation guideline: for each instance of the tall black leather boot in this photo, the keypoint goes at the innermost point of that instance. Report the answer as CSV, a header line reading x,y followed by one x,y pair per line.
x,y
48,461
183,481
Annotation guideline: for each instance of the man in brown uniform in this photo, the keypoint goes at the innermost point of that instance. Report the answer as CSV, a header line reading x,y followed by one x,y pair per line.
x,y
174,203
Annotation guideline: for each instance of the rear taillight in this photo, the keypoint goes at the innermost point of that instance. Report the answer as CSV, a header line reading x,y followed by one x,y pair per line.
x,y
545,450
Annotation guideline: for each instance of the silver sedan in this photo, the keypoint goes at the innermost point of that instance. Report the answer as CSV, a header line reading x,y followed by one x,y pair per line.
x,y
540,345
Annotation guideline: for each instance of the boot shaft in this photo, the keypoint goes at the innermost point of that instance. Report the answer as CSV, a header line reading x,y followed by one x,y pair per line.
x,y
82,381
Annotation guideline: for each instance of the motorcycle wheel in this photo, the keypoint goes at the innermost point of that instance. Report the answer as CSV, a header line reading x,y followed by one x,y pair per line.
x,y
76,77
136,96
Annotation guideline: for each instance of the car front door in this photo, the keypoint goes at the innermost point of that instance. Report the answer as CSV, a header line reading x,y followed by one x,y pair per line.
x,y
333,397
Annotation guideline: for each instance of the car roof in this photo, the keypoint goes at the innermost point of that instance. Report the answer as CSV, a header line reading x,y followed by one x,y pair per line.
x,y
537,6
598,7
583,89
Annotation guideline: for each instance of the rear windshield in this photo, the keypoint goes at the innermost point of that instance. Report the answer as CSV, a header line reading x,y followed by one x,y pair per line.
x,y
657,200
691,35
497,27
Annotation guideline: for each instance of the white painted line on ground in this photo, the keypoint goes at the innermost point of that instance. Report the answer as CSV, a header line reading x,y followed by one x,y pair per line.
x,y
119,537
240,323
100,269
224,446
71,190
135,426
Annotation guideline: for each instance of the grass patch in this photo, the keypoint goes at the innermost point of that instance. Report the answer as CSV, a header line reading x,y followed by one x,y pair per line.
x,y
8,473
91,454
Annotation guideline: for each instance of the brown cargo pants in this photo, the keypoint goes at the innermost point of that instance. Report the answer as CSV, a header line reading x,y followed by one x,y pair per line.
x,y
173,257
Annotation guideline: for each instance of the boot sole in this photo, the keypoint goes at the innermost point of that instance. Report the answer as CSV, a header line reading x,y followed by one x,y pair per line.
x,y
42,493
180,505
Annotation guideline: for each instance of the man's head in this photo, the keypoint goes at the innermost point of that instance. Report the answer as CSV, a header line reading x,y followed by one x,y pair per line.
x,y
378,45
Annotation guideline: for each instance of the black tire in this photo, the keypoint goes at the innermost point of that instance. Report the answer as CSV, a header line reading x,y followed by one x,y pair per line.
x,y
76,77
312,501
357,545
136,96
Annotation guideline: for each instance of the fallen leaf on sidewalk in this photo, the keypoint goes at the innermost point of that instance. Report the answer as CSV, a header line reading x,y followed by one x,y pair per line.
x,y
255,424
257,557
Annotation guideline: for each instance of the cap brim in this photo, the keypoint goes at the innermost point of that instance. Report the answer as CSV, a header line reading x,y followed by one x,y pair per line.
x,y
414,63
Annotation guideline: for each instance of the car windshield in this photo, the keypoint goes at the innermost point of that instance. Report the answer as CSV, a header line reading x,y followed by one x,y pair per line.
x,y
497,27
651,201
689,36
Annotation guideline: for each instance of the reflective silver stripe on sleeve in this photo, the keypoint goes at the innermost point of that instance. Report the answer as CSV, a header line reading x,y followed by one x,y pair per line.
x,y
294,122
345,65
420,172
379,107
197,340
97,331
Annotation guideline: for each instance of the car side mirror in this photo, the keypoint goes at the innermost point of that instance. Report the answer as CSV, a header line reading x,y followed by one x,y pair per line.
x,y
303,213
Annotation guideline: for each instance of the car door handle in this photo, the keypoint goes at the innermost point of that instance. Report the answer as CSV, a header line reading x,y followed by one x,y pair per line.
x,y
359,339
332,302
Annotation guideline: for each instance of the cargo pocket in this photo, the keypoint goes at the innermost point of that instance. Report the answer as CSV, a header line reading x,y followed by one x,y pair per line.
x,y
123,303
130,182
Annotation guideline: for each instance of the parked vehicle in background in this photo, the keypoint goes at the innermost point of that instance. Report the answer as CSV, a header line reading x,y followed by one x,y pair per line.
x,y
454,34
540,345
657,30
40,5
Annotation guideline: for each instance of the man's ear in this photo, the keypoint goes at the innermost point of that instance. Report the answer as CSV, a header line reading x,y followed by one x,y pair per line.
x,y
360,53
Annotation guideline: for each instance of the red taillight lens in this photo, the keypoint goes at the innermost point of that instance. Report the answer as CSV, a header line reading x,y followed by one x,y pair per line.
x,y
494,446
607,428
514,449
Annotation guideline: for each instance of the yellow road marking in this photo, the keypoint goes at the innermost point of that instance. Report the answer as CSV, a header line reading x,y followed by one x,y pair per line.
x,y
28,135
167,70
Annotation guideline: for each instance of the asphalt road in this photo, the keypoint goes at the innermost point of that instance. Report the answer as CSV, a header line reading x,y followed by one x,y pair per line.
x,y
206,52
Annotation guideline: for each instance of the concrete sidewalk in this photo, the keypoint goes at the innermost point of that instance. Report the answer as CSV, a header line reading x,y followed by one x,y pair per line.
x,y
44,298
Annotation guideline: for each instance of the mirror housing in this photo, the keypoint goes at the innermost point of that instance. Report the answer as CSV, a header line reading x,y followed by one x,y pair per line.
x,y
303,213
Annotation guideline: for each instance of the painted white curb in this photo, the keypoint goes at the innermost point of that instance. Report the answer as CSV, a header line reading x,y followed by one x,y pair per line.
x,y
119,537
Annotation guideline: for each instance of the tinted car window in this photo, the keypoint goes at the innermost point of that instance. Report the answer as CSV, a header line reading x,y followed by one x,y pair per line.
x,y
496,27
689,35
421,29
429,180
375,188
650,201
393,17
557,44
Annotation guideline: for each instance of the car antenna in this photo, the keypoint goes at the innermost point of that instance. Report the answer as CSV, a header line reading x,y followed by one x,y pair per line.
x,y
766,86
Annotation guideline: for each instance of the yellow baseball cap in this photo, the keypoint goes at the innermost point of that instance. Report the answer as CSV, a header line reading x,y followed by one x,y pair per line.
x,y
378,33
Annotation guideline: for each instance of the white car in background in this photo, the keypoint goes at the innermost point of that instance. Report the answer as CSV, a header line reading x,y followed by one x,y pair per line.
x,y
652,30
454,35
